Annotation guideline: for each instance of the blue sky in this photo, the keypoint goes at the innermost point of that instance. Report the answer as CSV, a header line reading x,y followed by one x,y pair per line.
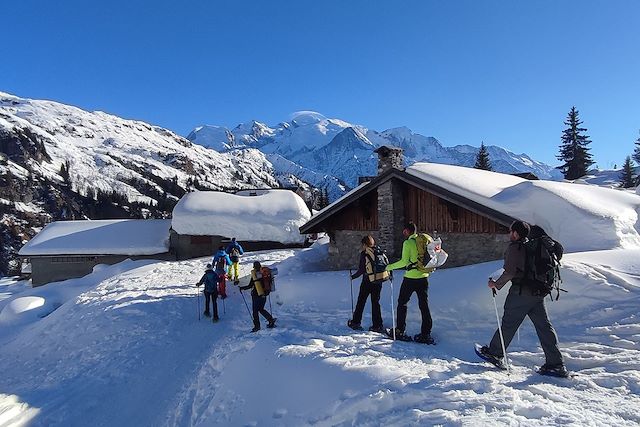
x,y
501,72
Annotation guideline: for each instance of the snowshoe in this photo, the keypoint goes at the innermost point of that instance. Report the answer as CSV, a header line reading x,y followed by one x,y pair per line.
x,y
354,326
206,314
400,335
559,371
255,329
272,323
215,319
424,339
483,353
378,329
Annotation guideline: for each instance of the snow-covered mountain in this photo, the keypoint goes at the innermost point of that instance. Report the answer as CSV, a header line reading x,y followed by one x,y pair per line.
x,y
319,144
59,161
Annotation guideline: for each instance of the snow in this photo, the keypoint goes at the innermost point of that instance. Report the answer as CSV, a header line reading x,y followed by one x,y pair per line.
x,y
101,237
130,331
274,215
123,345
581,217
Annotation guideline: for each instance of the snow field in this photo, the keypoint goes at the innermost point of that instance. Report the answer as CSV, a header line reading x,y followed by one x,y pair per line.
x,y
128,349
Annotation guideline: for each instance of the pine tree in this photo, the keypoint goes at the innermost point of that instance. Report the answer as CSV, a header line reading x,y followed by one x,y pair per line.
x,y
627,179
636,151
482,159
574,150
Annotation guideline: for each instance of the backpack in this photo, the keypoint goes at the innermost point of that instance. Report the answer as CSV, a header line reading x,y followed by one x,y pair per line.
x,y
268,282
430,254
235,254
542,265
221,265
376,262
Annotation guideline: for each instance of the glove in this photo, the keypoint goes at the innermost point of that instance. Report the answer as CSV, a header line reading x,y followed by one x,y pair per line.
x,y
353,277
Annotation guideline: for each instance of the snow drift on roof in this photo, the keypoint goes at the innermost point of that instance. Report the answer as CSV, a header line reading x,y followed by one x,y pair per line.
x,y
581,217
103,237
272,216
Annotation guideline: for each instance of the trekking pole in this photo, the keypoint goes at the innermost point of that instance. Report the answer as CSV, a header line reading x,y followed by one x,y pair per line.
x,y
270,307
198,295
393,316
224,307
351,281
504,350
246,305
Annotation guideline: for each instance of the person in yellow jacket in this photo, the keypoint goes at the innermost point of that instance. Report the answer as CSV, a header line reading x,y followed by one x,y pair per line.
x,y
414,281
258,298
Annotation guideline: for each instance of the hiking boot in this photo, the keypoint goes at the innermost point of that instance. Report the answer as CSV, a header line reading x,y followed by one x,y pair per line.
x,y
255,329
492,358
400,335
207,314
554,370
216,318
378,329
272,323
424,339
353,325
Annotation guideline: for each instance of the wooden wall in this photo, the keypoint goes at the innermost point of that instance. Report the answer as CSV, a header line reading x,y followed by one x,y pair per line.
x,y
361,215
430,212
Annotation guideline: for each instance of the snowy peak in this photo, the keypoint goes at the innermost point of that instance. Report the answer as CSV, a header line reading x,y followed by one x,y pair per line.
x,y
350,139
215,137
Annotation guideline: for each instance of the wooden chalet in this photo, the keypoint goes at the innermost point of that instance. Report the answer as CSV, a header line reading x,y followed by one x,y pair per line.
x,y
471,232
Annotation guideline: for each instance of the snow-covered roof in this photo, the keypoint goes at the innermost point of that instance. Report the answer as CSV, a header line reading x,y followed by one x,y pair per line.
x,y
102,237
582,217
272,216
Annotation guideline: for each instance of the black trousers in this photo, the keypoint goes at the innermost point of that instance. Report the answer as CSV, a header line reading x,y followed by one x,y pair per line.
x,y
420,287
214,300
367,288
258,303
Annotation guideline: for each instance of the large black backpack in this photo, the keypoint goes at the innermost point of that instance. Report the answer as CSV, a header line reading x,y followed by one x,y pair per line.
x,y
542,263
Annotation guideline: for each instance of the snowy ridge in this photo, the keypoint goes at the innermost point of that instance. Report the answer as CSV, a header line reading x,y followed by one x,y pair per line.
x,y
106,152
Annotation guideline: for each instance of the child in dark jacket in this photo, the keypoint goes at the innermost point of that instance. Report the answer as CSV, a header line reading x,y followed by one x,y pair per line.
x,y
210,280
258,298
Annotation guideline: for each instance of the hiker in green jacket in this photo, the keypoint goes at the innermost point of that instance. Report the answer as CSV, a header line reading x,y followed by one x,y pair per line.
x,y
414,281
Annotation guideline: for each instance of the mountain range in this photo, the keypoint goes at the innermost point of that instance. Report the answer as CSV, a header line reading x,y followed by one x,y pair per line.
x,y
61,162
343,150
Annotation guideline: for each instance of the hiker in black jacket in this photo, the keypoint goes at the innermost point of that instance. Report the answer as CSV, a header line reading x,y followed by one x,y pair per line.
x,y
367,287
522,301
258,298
210,280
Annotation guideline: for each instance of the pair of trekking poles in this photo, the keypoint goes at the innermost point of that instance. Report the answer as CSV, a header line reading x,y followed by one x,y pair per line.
x,y
393,317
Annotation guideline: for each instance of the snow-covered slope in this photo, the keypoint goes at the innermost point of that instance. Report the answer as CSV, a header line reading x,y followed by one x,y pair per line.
x,y
106,152
124,346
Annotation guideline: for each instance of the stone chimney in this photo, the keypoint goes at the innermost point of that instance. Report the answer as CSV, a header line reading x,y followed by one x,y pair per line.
x,y
388,158
390,203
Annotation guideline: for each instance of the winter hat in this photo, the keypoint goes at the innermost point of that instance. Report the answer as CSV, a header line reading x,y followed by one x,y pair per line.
x,y
209,267
256,265
520,227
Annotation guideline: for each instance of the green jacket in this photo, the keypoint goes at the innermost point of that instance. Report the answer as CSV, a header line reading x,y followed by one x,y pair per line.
x,y
409,256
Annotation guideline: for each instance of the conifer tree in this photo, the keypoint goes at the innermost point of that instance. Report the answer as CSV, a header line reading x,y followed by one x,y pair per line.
x,y
482,159
627,179
574,150
636,152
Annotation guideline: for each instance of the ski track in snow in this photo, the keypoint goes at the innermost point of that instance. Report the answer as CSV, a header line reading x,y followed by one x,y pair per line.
x,y
131,351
